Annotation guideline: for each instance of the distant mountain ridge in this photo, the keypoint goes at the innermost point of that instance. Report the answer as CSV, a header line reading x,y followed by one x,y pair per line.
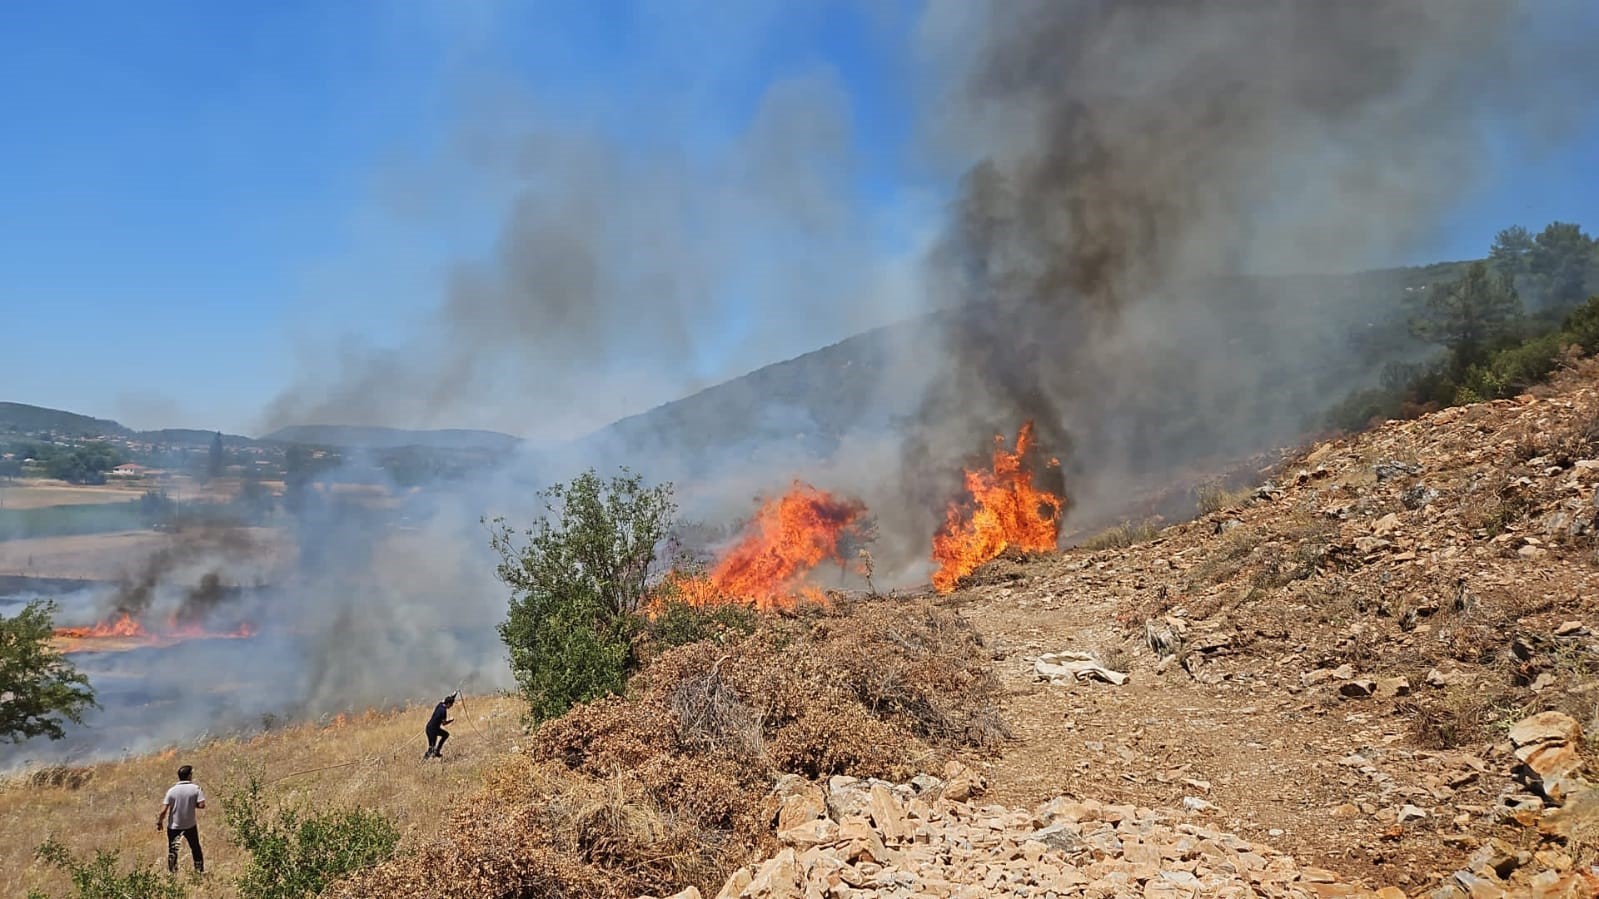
x,y
810,403
21,419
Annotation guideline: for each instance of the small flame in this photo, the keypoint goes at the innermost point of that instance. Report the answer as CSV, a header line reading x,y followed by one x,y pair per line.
x,y
788,537
123,626
1004,509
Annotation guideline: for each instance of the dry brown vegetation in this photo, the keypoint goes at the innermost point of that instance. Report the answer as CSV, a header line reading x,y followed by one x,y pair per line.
x,y
667,787
39,494
371,760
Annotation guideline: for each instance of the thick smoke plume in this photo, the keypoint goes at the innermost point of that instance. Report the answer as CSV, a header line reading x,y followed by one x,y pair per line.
x,y
1133,160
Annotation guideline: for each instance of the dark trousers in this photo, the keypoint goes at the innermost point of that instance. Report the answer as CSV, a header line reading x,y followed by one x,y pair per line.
x,y
192,834
436,738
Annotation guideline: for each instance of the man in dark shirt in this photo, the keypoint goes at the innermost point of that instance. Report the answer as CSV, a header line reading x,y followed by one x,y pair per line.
x,y
436,732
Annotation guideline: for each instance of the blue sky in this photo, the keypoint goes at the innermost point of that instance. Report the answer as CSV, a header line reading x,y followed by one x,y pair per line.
x,y
199,195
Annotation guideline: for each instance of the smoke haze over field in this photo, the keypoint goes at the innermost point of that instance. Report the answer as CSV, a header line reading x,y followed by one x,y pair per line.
x,y
624,276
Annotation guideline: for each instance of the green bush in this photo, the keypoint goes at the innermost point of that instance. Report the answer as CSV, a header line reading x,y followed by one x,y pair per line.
x,y
103,879
299,852
1527,363
679,623
1363,407
39,686
577,585
1582,326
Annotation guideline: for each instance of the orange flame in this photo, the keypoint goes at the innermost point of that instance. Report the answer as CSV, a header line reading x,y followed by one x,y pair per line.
x,y
125,632
1004,510
788,537
124,626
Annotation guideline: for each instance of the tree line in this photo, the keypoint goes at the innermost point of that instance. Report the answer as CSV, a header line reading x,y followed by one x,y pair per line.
x,y
1502,326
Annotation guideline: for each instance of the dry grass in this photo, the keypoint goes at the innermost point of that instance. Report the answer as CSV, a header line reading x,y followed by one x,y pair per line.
x,y
1214,496
107,557
1121,536
113,805
667,787
43,494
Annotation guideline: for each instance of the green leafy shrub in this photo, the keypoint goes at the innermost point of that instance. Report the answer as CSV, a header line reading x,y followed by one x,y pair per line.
x,y
578,578
102,878
680,623
298,852
1582,326
39,685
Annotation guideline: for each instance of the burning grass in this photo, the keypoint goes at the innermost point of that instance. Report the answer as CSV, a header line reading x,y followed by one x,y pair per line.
x,y
1002,509
667,787
127,632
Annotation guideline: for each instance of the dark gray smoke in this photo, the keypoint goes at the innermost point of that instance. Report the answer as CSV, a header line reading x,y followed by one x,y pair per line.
x,y
1133,160
193,573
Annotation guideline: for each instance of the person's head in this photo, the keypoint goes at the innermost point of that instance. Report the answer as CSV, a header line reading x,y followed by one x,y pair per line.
x,y
185,773
450,699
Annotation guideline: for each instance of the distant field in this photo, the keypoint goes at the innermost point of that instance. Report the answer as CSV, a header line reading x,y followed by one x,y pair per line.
x,y
70,520
109,556
32,494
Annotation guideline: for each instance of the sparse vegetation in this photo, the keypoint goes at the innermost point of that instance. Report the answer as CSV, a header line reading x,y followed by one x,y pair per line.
x,y
1214,496
67,521
1122,535
297,851
103,877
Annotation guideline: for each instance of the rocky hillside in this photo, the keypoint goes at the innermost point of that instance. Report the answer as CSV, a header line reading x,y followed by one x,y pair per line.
x,y
1381,663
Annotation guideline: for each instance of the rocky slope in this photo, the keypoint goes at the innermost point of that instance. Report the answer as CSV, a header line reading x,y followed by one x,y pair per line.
x,y
1380,662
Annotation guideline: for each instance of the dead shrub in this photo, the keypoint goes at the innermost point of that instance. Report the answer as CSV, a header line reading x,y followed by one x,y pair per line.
x,y
60,777
847,739
711,717
605,735
665,788
1464,715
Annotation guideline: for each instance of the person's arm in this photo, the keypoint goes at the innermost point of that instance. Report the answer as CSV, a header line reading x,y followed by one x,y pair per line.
x,y
199,797
166,806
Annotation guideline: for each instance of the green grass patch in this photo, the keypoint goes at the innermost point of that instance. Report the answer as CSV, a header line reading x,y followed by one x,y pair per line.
x,y
68,521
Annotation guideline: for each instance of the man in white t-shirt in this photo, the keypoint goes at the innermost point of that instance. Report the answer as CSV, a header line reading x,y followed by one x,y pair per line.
x,y
178,812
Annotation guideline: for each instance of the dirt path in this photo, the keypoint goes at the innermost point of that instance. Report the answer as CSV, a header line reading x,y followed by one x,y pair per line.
x,y
1281,765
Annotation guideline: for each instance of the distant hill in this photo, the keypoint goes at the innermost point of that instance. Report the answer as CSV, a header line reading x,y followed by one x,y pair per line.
x,y
24,420
360,437
1319,335
20,418
1315,339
